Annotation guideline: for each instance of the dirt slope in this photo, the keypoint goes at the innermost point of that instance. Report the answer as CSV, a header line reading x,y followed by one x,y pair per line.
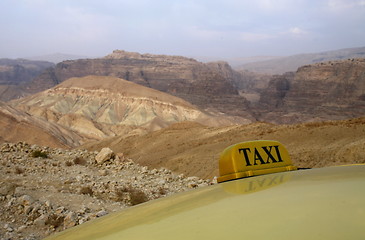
x,y
193,149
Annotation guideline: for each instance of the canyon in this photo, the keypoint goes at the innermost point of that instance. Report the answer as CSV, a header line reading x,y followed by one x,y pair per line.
x,y
217,89
163,120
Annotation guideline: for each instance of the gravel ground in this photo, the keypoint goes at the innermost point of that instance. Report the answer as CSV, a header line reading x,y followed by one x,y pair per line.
x,y
45,190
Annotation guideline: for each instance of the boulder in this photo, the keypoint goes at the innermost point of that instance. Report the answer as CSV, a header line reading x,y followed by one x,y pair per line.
x,y
104,155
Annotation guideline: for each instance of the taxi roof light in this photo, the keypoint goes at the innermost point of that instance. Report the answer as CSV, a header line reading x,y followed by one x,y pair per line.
x,y
253,158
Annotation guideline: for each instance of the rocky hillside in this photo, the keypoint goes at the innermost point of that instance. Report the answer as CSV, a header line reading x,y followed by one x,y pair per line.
x,y
16,72
186,78
292,63
17,126
96,107
45,190
329,90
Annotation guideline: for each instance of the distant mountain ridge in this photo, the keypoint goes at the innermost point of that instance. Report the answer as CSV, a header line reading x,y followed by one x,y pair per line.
x,y
312,93
56,57
292,63
238,61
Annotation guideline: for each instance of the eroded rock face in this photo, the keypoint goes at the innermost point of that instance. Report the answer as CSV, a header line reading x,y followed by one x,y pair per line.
x,y
198,83
96,107
16,125
330,90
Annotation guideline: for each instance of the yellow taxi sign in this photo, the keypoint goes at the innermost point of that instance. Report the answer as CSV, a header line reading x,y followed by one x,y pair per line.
x,y
253,158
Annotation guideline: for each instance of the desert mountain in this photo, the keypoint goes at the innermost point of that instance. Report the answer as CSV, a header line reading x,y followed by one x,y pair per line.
x,y
219,90
15,72
198,83
97,107
321,91
18,126
292,63
194,149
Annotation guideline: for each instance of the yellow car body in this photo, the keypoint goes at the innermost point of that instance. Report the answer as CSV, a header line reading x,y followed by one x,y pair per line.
x,y
322,203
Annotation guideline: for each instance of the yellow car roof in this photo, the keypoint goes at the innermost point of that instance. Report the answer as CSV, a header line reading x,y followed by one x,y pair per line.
x,y
326,203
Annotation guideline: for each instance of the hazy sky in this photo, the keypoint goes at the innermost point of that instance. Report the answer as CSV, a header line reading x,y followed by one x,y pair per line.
x,y
223,28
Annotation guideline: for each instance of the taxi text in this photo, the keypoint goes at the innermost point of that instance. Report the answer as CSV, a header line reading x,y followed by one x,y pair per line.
x,y
252,156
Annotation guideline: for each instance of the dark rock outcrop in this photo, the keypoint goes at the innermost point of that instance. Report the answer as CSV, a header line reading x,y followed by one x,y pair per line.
x,y
16,72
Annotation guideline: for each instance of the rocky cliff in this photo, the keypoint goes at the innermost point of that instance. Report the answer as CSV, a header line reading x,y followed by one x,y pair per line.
x,y
198,83
328,90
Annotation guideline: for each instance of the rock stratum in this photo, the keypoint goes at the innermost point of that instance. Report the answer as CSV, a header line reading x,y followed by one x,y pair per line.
x,y
17,126
96,107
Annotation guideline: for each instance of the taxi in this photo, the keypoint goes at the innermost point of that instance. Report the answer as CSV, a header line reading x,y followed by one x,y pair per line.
x,y
260,195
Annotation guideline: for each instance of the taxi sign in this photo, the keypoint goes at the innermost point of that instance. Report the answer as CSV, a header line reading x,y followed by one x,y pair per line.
x,y
253,158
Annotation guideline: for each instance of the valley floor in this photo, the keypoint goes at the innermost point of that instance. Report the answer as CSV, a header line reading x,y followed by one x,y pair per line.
x,y
45,190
